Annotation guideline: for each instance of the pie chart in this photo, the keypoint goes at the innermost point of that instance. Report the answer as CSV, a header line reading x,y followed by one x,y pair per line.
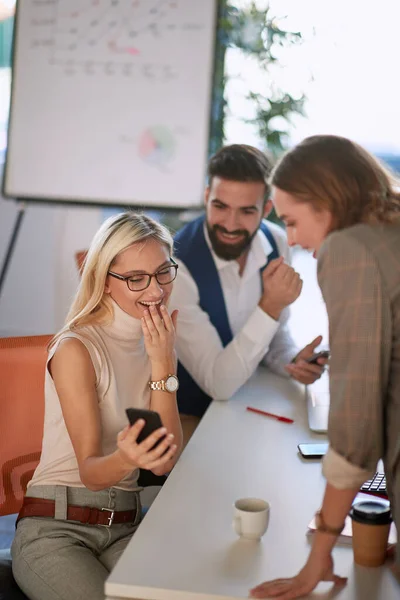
x,y
157,145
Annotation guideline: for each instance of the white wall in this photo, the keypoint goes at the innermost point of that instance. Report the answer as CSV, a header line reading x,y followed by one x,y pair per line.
x,y
42,276
309,318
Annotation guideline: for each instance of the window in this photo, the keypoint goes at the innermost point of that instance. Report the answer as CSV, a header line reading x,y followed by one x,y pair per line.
x,y
346,66
7,9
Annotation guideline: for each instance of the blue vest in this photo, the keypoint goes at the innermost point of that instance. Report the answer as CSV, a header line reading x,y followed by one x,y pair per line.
x,y
192,249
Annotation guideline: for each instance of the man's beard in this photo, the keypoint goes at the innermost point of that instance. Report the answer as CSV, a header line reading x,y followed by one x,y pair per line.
x,y
229,251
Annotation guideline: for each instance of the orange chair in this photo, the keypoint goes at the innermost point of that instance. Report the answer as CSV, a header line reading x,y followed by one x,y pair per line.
x,y
22,369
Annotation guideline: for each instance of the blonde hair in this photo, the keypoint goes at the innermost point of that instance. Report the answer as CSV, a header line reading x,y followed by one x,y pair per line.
x,y
334,173
115,235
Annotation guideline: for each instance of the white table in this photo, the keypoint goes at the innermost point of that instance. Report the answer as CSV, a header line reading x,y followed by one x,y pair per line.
x,y
186,549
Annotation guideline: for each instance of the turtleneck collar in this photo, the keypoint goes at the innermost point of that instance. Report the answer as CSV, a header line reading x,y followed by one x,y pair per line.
x,y
123,327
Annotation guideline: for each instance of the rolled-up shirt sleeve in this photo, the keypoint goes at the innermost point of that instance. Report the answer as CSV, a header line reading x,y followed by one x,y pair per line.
x,y
359,331
342,474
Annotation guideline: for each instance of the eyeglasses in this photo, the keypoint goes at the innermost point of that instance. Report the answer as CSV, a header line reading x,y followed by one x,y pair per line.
x,y
141,281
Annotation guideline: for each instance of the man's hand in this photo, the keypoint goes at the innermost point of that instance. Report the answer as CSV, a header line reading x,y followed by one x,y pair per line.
x,y
281,286
303,371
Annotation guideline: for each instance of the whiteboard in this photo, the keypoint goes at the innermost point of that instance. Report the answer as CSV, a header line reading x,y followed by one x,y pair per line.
x,y
111,101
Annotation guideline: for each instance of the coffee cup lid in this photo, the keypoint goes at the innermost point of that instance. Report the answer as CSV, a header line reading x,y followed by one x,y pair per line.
x,y
371,512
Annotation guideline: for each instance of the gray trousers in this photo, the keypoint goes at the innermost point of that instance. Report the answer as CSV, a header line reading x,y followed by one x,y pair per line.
x,y
55,559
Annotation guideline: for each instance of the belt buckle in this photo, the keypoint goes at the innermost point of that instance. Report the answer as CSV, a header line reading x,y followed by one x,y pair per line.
x,y
110,518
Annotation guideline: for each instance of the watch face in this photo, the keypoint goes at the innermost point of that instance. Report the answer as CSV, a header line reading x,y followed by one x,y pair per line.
x,y
171,383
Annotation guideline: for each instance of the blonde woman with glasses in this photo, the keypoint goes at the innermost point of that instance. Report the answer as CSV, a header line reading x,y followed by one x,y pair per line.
x,y
115,351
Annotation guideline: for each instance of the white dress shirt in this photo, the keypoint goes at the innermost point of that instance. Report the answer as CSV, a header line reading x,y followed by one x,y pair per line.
x,y
257,337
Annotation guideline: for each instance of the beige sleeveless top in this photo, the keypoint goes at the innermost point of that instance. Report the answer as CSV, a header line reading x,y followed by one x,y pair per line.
x,y
123,371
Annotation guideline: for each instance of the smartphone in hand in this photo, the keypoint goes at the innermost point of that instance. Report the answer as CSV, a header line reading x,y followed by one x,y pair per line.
x,y
152,422
313,360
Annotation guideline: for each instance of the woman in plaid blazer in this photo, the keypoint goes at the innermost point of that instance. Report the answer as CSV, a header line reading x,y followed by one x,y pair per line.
x,y
338,201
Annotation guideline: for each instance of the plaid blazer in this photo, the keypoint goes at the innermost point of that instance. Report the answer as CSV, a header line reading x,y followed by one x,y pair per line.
x,y
359,275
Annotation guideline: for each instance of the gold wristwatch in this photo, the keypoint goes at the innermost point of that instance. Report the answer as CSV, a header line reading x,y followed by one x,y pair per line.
x,y
170,384
323,527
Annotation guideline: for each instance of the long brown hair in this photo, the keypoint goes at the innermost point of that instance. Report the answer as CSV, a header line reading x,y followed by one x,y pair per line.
x,y
338,175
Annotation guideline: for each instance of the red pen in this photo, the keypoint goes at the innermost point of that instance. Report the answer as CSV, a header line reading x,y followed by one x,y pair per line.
x,y
268,414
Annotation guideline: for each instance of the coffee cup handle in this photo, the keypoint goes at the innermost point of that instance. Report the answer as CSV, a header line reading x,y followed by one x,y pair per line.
x,y
238,524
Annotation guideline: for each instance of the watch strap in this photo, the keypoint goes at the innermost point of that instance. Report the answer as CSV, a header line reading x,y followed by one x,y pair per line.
x,y
161,384
157,386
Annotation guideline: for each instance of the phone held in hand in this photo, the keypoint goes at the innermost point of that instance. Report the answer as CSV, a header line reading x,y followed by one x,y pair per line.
x,y
313,450
313,360
152,422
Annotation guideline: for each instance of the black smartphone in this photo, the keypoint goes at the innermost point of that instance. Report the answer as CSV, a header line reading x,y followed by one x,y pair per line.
x,y
152,419
313,360
313,450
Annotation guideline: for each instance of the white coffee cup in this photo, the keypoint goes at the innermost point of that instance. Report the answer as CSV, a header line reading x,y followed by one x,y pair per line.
x,y
251,517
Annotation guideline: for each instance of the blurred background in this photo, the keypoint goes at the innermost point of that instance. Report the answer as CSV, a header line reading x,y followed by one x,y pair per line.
x,y
283,70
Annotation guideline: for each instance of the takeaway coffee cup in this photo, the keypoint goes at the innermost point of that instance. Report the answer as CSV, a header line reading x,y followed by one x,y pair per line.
x,y
251,518
371,524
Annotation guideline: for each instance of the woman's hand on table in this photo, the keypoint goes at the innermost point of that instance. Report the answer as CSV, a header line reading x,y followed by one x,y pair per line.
x,y
315,570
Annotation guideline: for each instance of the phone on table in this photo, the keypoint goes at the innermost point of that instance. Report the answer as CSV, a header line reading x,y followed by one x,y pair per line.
x,y
152,422
313,450
313,360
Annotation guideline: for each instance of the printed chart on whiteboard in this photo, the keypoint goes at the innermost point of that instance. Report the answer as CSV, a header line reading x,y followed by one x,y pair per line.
x,y
111,101
100,34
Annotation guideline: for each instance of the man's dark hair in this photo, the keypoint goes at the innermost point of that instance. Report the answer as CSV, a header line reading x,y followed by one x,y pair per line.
x,y
240,162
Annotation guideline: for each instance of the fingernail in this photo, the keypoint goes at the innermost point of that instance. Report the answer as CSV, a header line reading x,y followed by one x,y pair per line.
x,y
163,430
146,312
171,436
141,421
163,307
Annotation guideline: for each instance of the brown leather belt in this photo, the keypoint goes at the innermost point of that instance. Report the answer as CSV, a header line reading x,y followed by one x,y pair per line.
x,y
39,507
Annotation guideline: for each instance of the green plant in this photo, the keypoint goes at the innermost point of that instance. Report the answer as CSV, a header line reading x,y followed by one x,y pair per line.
x,y
257,34
282,105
